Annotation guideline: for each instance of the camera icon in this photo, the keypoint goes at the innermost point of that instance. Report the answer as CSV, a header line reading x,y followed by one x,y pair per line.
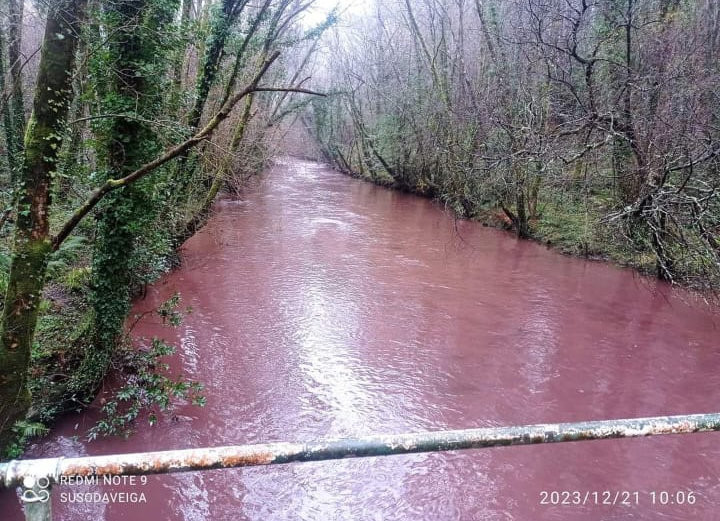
x,y
36,490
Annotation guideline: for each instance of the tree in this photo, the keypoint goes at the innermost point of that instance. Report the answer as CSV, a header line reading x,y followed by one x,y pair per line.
x,y
32,243
137,54
17,105
589,121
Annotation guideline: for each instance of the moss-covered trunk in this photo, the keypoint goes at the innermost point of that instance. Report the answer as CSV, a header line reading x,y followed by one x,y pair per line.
x,y
222,22
180,57
220,32
32,245
135,49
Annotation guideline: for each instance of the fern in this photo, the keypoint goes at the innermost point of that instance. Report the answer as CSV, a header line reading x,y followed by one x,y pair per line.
x,y
26,429
68,253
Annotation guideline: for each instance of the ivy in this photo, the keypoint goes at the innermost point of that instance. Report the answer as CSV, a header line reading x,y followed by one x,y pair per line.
x,y
131,243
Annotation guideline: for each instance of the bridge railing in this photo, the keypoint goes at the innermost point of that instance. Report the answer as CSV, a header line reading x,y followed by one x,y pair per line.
x,y
35,477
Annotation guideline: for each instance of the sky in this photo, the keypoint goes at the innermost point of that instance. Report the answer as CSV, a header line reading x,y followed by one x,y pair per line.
x,y
321,8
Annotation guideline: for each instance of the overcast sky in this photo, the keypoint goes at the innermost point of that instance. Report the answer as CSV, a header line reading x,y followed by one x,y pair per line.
x,y
321,8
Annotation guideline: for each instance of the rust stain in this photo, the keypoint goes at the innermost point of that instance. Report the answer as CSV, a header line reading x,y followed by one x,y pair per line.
x,y
259,458
266,454
159,463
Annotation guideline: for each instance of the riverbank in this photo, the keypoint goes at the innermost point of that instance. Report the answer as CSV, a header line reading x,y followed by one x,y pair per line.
x,y
65,375
573,224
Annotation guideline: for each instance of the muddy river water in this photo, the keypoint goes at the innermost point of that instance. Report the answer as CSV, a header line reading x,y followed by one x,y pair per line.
x,y
324,306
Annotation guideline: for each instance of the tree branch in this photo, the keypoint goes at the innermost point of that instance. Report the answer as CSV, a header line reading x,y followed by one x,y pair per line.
x,y
172,153
289,89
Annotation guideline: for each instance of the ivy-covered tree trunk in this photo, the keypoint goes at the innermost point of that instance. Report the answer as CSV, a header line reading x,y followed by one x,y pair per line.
x,y
222,22
180,55
137,46
72,145
32,245
5,111
220,31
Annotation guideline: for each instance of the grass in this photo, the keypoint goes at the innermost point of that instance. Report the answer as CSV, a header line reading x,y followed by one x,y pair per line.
x,y
576,228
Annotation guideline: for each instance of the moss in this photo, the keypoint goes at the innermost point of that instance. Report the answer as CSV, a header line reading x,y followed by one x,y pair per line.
x,y
60,346
569,228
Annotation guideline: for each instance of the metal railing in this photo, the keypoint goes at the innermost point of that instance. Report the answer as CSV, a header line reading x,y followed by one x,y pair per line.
x,y
36,477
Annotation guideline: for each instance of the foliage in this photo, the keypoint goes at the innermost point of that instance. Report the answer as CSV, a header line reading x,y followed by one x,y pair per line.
x,y
130,85
146,388
523,105
146,385
4,271
25,430
77,279
61,260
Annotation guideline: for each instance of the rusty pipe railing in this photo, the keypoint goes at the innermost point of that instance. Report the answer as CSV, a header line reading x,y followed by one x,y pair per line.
x,y
37,476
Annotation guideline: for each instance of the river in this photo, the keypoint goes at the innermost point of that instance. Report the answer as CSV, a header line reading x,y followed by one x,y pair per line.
x,y
324,306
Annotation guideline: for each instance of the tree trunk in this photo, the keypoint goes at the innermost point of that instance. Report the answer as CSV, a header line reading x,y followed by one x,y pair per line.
x,y
130,142
6,116
211,61
220,28
32,245
17,106
68,160
179,60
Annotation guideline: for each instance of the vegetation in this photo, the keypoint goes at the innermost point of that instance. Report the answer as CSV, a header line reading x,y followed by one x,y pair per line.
x,y
134,131
589,124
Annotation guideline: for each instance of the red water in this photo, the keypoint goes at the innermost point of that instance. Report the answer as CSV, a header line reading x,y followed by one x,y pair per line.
x,y
328,307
